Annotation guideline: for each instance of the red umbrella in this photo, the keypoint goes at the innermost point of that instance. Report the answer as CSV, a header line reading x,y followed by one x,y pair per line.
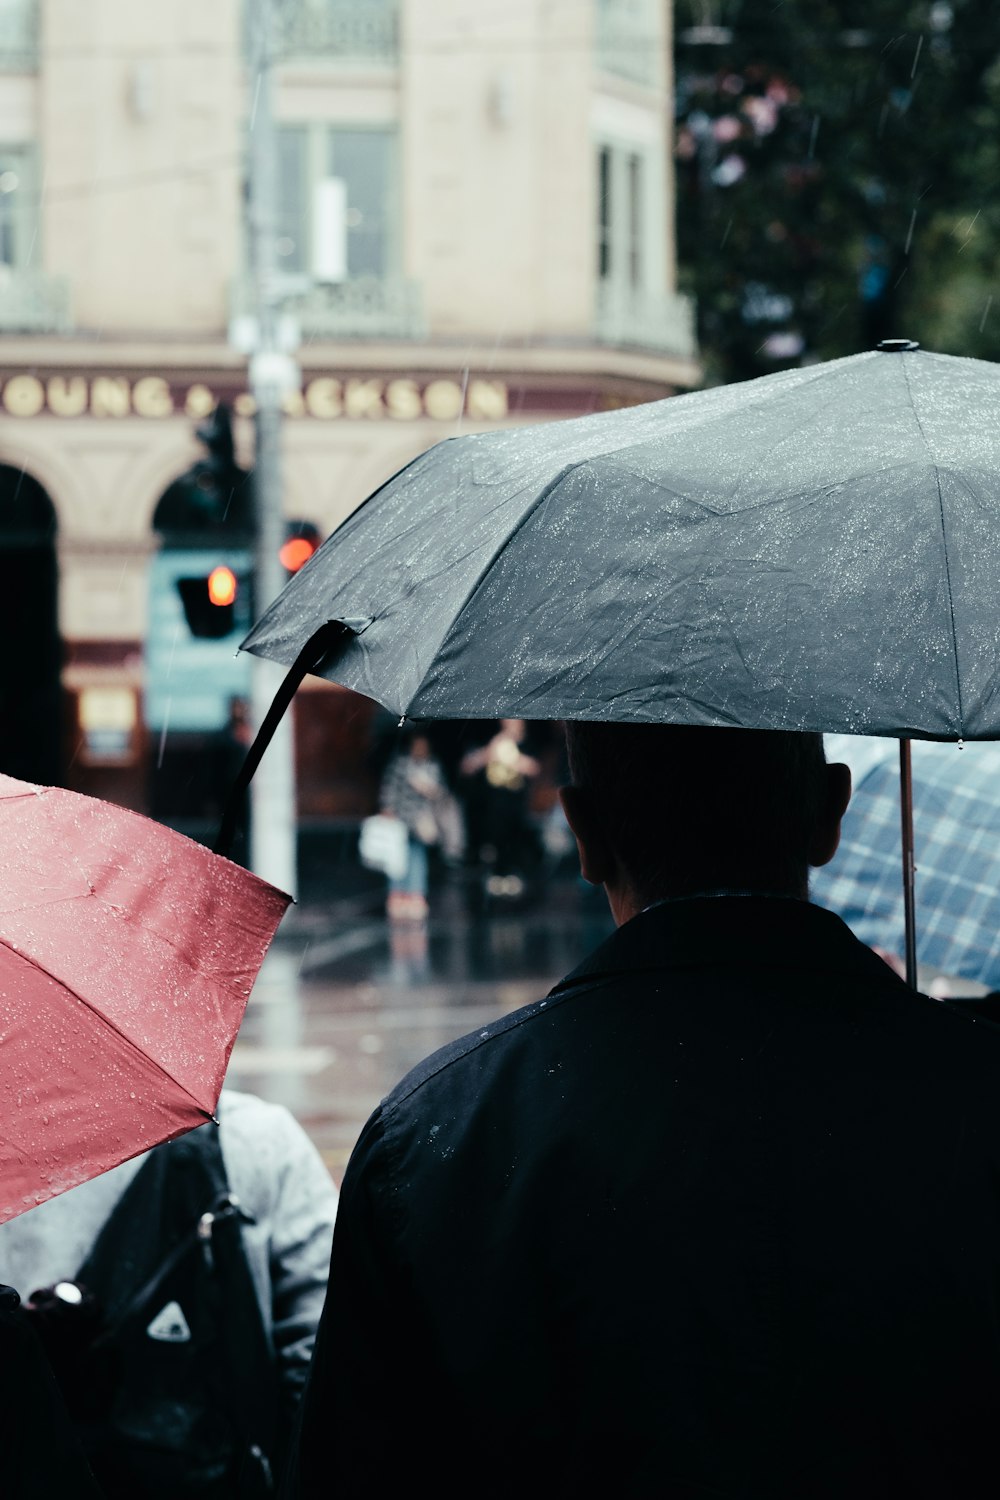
x,y
127,955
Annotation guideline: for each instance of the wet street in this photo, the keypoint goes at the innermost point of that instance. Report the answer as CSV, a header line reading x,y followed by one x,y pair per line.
x,y
345,1002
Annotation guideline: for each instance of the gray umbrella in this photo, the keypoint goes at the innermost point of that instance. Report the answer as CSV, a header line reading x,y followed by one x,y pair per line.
x,y
814,550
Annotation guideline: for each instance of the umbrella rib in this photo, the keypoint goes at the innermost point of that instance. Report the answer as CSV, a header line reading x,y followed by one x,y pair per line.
x,y
951,603
944,546
487,567
106,1021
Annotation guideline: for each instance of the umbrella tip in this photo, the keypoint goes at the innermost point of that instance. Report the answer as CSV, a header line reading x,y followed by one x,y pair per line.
x,y
897,346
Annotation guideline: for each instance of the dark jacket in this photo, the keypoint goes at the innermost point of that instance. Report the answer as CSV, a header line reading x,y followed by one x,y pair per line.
x,y
40,1453
720,1216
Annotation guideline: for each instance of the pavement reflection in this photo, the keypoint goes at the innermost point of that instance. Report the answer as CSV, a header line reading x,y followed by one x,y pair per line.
x,y
346,1002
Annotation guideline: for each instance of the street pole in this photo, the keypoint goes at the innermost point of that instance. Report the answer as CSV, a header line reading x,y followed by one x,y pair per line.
x,y
273,840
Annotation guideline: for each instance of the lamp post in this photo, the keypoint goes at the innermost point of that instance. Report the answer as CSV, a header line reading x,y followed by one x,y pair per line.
x,y
272,373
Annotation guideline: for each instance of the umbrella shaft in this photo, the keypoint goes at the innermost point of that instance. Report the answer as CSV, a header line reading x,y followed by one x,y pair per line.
x,y
906,818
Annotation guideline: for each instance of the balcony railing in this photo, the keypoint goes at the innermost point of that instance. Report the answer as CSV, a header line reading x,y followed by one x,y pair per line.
x,y
350,31
366,307
18,36
662,323
627,39
33,302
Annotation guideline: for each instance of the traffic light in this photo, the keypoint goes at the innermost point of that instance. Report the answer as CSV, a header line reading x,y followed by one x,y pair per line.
x,y
213,495
216,477
302,539
209,602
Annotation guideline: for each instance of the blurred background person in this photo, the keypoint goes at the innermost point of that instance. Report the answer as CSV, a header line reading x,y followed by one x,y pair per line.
x,y
415,790
500,773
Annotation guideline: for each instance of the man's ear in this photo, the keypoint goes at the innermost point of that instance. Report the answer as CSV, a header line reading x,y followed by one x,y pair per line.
x,y
597,863
826,834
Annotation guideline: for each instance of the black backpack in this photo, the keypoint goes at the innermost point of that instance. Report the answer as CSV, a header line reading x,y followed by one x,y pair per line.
x,y
41,1451
164,1358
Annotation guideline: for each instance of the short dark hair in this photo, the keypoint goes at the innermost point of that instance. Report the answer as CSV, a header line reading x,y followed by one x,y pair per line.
x,y
689,808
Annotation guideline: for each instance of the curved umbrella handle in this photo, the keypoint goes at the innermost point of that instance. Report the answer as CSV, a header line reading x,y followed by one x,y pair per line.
x,y
319,645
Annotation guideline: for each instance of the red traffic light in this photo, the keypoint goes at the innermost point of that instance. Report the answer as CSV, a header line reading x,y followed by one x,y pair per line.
x,y
296,551
209,602
222,586
301,540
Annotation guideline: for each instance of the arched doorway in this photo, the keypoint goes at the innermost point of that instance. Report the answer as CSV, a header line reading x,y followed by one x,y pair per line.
x,y
31,730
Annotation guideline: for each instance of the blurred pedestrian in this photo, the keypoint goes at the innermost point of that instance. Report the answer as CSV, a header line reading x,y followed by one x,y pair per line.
x,y
177,1297
415,790
503,771
720,1215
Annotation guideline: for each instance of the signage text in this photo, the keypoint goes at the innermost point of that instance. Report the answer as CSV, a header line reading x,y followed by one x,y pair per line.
x,y
363,398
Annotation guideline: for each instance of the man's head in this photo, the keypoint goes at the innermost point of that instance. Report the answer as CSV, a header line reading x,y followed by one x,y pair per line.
x,y
669,810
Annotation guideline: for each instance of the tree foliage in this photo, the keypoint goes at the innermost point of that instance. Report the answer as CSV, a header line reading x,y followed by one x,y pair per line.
x,y
837,167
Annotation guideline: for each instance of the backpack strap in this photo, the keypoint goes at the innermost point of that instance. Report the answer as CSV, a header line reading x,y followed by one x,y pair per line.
x,y
175,1239
155,1219
155,1223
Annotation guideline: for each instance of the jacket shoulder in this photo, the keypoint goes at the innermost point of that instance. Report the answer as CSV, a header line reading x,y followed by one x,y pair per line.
x,y
463,1049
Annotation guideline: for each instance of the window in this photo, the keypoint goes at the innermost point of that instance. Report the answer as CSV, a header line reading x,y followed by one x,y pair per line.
x,y
293,200
18,36
628,36
360,159
17,210
635,220
336,210
622,217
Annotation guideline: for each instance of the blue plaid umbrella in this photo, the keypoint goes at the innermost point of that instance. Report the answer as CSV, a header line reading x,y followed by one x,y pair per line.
x,y
956,823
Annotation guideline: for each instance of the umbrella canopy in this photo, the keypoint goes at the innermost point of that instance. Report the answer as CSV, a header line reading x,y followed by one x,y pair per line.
x,y
127,954
814,550
956,815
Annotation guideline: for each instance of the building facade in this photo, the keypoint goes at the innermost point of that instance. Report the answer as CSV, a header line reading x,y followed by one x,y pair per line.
x,y
474,230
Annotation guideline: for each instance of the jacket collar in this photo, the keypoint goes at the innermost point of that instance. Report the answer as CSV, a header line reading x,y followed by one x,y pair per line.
x,y
728,931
